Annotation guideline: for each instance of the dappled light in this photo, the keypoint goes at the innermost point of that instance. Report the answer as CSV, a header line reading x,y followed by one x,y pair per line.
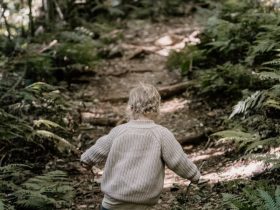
x,y
173,105
238,170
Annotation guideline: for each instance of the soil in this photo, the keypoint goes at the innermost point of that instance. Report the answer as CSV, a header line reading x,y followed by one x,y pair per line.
x,y
138,61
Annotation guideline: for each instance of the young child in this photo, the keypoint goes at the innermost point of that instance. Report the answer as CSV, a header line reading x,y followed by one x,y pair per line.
x,y
137,153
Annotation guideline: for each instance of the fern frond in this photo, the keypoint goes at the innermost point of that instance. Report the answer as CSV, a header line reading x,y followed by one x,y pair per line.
x,y
271,103
61,143
252,197
13,167
241,138
269,75
268,200
33,200
277,196
49,124
253,102
234,202
265,142
39,87
235,134
1,204
275,62
46,191
264,46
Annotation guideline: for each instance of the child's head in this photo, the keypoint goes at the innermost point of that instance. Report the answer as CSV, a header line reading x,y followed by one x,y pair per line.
x,y
144,101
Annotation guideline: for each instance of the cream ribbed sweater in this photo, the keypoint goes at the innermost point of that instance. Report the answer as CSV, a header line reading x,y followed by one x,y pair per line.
x,y
136,155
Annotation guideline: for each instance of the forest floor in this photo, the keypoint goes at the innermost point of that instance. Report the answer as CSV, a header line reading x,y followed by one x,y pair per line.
x,y
140,56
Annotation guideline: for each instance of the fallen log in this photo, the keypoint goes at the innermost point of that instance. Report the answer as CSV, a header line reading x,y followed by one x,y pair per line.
x,y
195,138
92,119
169,91
119,74
165,92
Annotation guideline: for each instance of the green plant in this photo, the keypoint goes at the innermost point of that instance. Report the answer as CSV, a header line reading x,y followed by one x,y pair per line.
x,y
247,141
251,199
32,123
242,139
241,38
187,60
266,99
255,101
227,79
20,189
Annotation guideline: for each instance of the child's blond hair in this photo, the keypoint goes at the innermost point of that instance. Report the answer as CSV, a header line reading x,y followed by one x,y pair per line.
x,y
144,100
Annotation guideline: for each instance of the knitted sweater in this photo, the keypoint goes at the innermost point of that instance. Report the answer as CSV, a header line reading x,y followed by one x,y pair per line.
x,y
137,153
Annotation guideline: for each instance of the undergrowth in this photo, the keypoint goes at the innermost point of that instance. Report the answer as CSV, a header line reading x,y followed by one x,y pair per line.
x,y
20,189
252,197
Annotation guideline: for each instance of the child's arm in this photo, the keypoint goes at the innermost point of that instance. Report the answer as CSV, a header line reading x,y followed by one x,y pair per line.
x,y
97,153
176,159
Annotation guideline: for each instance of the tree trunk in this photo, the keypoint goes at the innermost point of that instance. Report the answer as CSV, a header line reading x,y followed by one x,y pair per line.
x,y
49,8
31,22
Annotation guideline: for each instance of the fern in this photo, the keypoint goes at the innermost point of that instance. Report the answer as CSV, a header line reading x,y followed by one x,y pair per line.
x,y
265,75
251,199
264,46
269,202
1,205
273,141
255,101
47,191
275,62
61,143
49,124
234,202
266,98
40,87
242,139
271,103
277,196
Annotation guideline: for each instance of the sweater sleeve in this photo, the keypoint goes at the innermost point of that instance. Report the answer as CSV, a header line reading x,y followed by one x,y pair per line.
x,y
176,159
98,152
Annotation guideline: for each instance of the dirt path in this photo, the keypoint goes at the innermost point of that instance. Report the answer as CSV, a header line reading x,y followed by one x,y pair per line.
x,y
142,59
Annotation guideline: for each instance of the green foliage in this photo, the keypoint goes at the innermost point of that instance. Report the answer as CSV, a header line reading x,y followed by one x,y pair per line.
x,y
250,199
255,101
266,99
39,99
242,139
38,66
247,141
239,38
76,53
185,60
51,190
32,123
18,137
126,8
226,80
